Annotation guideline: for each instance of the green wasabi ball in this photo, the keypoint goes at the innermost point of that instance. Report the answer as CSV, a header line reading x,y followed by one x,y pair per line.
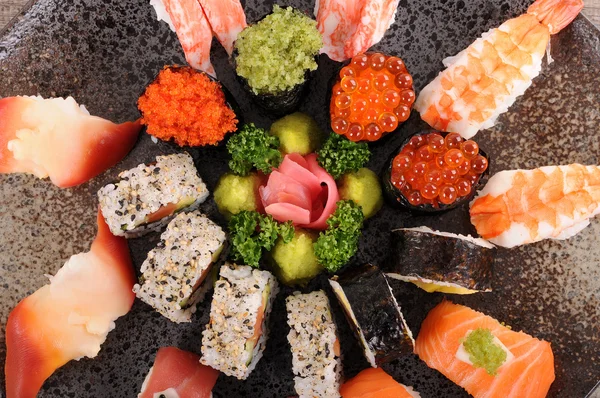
x,y
297,133
364,189
236,193
295,263
483,352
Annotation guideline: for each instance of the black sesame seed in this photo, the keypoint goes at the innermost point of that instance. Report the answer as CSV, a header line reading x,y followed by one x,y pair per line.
x,y
256,287
118,213
138,207
323,318
132,217
156,170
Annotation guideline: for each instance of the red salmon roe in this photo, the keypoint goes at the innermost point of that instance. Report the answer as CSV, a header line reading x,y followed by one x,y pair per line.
x,y
373,96
431,169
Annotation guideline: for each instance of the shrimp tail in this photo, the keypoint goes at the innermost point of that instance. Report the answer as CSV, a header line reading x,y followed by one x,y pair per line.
x,y
555,14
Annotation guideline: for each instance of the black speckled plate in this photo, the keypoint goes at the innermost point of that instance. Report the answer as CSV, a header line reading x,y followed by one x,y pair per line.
x,y
104,52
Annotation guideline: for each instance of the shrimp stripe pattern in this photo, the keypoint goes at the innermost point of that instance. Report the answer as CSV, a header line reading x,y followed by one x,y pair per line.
x,y
483,81
525,206
351,27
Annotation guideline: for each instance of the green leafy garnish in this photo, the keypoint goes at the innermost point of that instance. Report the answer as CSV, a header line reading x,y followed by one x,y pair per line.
x,y
483,352
253,147
252,232
336,246
340,155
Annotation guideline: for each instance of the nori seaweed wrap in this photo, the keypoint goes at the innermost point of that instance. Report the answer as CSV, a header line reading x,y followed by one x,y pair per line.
x,y
373,314
440,261
276,57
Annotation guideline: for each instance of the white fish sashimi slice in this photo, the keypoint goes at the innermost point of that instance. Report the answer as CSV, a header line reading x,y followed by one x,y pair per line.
x,y
161,13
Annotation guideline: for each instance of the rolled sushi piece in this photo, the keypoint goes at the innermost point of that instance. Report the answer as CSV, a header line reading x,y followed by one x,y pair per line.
x,y
316,361
147,197
177,373
482,356
440,261
177,273
235,338
373,314
276,57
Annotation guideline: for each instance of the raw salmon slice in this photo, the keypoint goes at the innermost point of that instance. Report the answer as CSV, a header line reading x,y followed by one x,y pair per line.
x,y
528,375
178,373
375,383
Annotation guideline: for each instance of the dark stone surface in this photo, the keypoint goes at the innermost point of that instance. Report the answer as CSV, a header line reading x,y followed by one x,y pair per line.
x,y
105,52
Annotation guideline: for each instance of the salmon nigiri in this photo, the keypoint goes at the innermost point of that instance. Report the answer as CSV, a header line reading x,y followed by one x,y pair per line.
x,y
524,206
375,383
70,317
351,27
178,373
59,139
482,356
483,81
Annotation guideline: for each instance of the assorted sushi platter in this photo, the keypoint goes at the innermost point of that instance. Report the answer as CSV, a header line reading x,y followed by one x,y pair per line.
x,y
300,199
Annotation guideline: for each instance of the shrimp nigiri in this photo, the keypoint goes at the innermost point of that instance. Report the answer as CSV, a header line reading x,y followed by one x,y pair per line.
x,y
58,138
187,19
70,317
524,206
351,27
226,18
482,356
484,80
178,373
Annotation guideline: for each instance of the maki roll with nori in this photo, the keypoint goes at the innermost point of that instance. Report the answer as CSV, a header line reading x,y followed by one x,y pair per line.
x,y
440,261
275,58
434,171
373,313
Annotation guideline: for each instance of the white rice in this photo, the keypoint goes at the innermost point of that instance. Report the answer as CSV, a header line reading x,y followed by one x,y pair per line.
x,y
312,337
176,274
143,190
237,299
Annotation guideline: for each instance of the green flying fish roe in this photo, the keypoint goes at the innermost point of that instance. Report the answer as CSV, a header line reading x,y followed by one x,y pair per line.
x,y
483,352
274,54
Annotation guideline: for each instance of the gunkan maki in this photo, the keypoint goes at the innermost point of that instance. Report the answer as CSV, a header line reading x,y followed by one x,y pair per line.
x,y
435,171
440,261
276,57
373,314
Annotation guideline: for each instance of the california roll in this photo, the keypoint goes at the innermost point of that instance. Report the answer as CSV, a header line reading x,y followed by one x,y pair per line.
x,y
177,273
146,197
236,335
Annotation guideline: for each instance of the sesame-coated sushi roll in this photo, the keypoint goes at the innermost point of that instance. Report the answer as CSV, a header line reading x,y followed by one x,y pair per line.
x,y
373,314
235,337
315,346
176,274
146,197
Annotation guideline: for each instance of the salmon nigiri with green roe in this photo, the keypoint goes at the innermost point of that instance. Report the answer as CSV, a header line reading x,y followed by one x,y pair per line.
x,y
484,80
58,138
482,356
70,317
375,383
